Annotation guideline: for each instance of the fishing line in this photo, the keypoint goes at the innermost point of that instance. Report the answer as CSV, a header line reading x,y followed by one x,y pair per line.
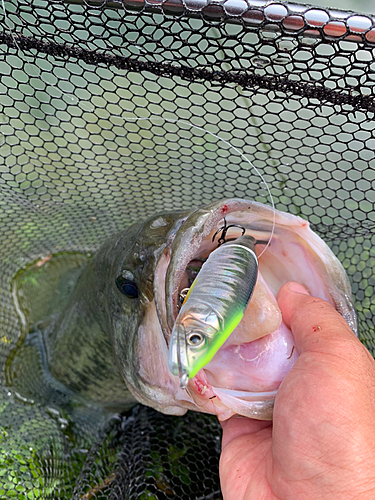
x,y
8,24
73,99
243,156
152,119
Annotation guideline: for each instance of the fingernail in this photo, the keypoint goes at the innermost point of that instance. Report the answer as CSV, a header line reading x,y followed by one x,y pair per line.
x,y
293,286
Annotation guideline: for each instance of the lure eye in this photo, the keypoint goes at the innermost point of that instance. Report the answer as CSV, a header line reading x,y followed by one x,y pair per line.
x,y
127,287
195,339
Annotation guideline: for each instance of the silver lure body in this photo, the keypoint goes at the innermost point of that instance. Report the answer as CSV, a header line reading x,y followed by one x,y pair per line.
x,y
213,307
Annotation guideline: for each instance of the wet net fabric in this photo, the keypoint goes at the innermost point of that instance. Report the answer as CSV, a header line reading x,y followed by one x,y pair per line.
x,y
111,112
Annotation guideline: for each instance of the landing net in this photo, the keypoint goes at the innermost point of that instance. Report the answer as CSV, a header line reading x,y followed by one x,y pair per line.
x,y
289,86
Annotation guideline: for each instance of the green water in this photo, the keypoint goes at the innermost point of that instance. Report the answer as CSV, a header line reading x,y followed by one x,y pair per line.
x,y
44,287
40,292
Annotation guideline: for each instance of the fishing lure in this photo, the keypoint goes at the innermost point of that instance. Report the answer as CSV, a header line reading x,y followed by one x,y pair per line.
x,y
213,307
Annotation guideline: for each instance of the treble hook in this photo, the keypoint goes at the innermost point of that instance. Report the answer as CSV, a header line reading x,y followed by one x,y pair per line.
x,y
224,231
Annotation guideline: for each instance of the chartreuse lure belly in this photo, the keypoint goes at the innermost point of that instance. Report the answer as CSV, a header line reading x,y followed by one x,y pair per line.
x,y
214,306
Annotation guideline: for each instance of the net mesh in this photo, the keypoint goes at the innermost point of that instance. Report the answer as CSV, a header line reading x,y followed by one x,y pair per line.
x,y
114,111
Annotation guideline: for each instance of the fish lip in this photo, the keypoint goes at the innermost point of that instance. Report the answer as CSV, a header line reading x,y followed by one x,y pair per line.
x,y
217,400
162,259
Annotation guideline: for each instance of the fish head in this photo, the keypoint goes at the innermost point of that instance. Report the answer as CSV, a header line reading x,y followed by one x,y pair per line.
x,y
124,275
243,376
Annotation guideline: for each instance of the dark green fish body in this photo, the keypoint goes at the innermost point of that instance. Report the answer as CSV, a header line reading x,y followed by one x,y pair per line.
x,y
83,344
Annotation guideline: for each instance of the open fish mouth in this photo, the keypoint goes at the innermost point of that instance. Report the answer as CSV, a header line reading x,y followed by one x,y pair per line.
x,y
245,373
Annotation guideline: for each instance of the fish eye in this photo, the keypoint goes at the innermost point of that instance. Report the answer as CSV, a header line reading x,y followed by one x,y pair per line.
x,y
127,287
195,339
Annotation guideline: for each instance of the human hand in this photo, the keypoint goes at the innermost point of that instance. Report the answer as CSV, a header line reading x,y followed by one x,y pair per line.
x,y
321,443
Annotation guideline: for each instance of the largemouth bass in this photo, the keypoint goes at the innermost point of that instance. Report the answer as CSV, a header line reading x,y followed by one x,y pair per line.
x,y
109,345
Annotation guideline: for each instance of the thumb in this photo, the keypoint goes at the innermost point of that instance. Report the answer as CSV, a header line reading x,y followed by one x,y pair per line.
x,y
315,323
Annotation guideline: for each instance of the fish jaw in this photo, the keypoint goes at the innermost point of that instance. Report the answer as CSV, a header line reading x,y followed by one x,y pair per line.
x,y
243,378
154,384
